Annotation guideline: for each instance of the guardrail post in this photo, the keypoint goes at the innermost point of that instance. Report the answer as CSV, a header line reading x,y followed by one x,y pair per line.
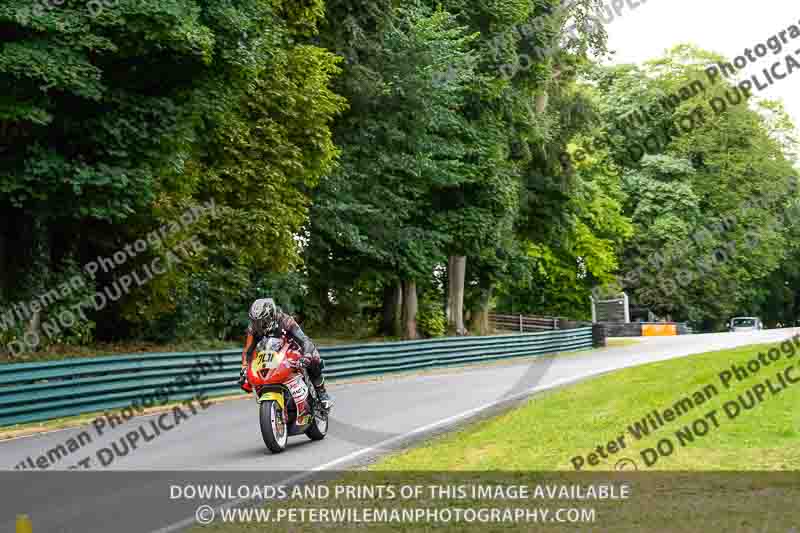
x,y
627,307
520,324
598,335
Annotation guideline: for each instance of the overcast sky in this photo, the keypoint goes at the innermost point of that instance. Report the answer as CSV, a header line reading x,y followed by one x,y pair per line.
x,y
723,26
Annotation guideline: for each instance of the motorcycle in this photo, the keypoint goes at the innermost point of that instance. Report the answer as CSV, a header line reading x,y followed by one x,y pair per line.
x,y
288,401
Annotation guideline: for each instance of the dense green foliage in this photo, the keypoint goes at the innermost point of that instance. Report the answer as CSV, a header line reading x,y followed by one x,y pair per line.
x,y
115,123
349,148
711,203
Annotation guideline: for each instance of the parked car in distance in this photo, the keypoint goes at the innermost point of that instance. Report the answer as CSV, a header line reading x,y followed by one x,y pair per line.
x,y
745,323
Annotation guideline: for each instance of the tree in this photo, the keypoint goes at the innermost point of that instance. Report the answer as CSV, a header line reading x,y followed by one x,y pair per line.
x,y
402,140
115,121
708,200
523,49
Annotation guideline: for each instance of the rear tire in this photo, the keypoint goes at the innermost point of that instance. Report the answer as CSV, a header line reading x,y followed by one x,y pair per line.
x,y
319,427
273,426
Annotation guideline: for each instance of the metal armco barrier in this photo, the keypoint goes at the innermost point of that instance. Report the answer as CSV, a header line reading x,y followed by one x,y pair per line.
x,y
31,392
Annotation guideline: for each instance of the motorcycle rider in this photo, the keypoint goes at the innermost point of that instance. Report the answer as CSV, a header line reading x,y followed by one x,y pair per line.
x,y
267,320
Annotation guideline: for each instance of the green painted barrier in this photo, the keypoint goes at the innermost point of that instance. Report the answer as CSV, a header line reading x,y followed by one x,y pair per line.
x,y
32,392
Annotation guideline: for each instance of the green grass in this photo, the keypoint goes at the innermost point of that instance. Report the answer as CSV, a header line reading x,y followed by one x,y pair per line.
x,y
552,428
59,351
611,343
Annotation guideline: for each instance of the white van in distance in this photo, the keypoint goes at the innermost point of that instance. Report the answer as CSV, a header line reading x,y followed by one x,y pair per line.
x,y
745,323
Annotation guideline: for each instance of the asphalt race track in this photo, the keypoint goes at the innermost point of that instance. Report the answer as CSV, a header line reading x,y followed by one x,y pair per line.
x,y
370,418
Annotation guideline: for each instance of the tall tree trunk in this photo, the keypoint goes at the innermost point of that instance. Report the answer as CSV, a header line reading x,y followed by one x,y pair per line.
x,y
456,270
324,302
33,330
480,314
448,307
541,102
543,97
392,309
410,310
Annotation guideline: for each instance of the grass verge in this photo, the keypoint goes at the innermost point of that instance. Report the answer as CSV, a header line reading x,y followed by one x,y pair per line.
x,y
58,352
553,428
621,342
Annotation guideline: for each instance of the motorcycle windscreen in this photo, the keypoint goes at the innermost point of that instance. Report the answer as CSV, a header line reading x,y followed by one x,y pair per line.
x,y
269,356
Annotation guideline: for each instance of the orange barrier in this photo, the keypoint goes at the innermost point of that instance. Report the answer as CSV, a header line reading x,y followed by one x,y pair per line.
x,y
659,330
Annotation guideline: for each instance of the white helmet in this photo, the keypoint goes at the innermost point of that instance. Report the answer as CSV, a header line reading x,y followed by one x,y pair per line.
x,y
263,316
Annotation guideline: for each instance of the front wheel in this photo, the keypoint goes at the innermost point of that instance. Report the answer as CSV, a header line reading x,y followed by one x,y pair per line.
x,y
273,426
319,426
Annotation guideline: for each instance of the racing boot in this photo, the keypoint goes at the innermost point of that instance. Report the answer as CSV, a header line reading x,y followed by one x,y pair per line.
x,y
324,398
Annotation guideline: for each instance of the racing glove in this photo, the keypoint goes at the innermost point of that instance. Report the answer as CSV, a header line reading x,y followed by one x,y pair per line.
x,y
242,376
299,363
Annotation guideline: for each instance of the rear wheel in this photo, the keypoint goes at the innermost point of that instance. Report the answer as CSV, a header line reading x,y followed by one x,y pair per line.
x,y
273,426
319,426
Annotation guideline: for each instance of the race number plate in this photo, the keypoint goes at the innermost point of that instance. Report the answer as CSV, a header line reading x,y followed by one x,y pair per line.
x,y
299,389
268,360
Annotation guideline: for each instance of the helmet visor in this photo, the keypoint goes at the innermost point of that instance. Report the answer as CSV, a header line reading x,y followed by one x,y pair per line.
x,y
262,325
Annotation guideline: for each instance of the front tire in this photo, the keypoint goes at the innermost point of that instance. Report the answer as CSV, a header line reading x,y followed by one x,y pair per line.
x,y
273,426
